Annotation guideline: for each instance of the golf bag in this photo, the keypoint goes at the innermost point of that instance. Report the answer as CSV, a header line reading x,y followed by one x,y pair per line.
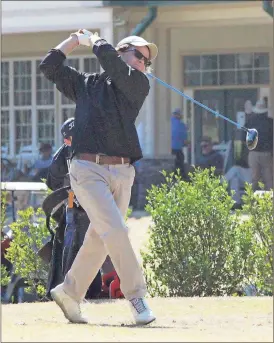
x,y
53,251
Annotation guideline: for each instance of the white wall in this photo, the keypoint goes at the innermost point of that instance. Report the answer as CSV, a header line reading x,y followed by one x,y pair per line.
x,y
45,16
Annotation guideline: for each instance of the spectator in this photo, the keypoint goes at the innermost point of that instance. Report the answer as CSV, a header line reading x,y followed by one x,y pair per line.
x,y
40,168
178,140
210,158
248,107
8,171
260,159
236,177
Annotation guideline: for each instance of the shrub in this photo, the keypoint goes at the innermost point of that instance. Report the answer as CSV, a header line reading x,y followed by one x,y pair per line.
x,y
193,249
258,230
28,232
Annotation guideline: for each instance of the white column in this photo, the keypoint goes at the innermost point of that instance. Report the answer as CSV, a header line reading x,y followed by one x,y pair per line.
x,y
34,114
191,124
106,31
149,122
12,114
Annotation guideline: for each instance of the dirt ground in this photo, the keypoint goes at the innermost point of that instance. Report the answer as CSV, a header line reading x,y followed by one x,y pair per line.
x,y
178,320
226,319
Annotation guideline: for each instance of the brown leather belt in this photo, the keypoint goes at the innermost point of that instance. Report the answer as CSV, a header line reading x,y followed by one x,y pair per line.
x,y
102,159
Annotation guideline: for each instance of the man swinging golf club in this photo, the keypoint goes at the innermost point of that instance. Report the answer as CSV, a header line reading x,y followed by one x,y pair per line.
x,y
104,146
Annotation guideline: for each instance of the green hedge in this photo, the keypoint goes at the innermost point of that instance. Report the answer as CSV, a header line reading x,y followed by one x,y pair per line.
x,y
198,246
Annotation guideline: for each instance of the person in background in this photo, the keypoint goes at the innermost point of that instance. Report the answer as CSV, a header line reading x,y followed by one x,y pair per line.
x,y
260,159
248,107
236,177
40,168
178,140
210,158
58,170
8,170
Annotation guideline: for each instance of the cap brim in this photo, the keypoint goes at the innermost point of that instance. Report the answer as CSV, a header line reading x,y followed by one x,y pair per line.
x,y
152,48
259,111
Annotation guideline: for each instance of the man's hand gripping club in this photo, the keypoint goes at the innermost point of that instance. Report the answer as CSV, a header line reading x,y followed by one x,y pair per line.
x,y
86,37
81,37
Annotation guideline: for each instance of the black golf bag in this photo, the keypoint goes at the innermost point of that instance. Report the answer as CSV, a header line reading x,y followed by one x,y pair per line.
x,y
60,251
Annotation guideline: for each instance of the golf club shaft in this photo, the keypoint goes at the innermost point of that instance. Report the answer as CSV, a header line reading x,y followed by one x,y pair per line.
x,y
197,102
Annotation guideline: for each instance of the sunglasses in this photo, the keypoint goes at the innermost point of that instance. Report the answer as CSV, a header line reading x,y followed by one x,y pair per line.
x,y
204,146
140,56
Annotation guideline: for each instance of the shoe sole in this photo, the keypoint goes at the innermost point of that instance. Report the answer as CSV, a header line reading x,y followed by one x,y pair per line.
x,y
62,307
146,323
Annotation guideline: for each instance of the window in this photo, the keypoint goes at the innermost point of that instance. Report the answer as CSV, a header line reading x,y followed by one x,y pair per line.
x,y
5,132
22,99
226,69
45,124
45,108
32,108
4,84
91,65
5,115
22,129
22,83
44,88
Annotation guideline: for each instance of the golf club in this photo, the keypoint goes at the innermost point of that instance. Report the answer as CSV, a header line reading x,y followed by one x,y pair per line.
x,y
251,134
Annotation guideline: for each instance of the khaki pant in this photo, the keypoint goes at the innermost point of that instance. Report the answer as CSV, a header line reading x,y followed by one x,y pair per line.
x,y
104,193
261,164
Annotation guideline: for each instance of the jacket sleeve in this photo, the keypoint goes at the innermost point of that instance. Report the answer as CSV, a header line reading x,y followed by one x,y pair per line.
x,y
68,80
133,83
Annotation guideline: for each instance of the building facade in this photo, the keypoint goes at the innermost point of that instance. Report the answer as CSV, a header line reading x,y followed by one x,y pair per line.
x,y
220,53
32,110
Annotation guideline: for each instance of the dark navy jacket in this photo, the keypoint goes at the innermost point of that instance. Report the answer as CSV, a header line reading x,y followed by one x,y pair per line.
x,y
107,104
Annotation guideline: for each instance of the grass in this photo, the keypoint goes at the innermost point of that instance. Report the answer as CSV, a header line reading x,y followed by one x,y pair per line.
x,y
224,319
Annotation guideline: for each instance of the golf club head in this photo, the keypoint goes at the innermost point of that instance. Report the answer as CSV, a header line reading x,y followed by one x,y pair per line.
x,y
251,139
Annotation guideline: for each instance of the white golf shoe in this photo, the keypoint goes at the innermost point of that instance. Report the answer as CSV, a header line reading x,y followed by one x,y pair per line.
x,y
69,306
141,311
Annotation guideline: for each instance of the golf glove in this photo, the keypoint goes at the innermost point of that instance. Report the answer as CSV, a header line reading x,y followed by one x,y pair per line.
x,y
92,36
83,38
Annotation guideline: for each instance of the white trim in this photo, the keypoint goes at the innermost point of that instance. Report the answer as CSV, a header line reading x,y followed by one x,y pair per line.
x,y
39,58
13,6
61,19
33,107
106,32
190,93
149,122
12,115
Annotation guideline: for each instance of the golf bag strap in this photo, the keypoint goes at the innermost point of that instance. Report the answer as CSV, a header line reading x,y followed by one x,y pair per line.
x,y
54,199
51,202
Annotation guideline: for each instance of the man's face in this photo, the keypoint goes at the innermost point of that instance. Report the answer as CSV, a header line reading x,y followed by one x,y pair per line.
x,y
67,141
134,59
177,115
206,147
248,107
45,153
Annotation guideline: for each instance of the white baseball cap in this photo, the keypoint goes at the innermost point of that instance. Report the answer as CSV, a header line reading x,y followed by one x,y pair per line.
x,y
139,41
260,107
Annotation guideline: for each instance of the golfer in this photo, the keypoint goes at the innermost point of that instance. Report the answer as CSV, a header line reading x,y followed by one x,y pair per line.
x,y
104,146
